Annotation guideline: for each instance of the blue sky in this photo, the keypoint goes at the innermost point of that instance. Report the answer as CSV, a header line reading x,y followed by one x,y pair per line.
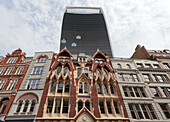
x,y
35,25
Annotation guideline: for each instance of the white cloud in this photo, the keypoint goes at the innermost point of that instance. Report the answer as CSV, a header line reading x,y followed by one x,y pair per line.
x,y
35,25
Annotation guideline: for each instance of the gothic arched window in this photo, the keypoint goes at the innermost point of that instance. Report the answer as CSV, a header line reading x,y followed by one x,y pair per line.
x,y
85,88
19,106
58,70
67,87
99,88
80,105
80,88
32,106
87,104
105,88
60,87
26,106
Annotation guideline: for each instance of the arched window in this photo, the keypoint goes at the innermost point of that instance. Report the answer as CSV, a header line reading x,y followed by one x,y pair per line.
x,y
32,106
85,88
60,87
19,106
105,72
128,66
63,41
53,86
78,72
58,70
42,59
26,106
99,72
87,104
80,88
3,103
80,105
105,88
111,88
119,66
67,87
86,72
99,88
65,71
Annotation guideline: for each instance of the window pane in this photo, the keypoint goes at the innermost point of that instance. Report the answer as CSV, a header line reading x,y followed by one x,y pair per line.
x,y
85,88
49,106
87,104
53,86
139,111
109,108
99,89
132,111
131,92
125,91
105,89
145,111
57,106
116,107
67,87
60,87
80,88
65,106
152,111
101,104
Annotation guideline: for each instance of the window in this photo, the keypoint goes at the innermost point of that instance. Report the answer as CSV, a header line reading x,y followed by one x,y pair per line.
x,y
96,61
32,106
166,65
19,106
74,44
61,59
53,86
87,105
78,37
155,92
128,77
116,107
58,70
85,88
134,91
12,84
38,70
86,72
80,105
80,88
105,88
101,104
119,66
42,60
156,66
148,66
9,71
109,108
99,88
111,89
65,106
142,111
26,106
65,71
99,72
147,77
166,91
78,72
19,70
57,106
2,71
161,78
128,66
139,65
2,83
165,108
4,103
33,84
63,41
49,106
106,74
60,87
67,87
11,60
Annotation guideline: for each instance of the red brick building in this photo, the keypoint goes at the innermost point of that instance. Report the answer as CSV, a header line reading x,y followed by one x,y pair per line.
x,y
81,89
12,71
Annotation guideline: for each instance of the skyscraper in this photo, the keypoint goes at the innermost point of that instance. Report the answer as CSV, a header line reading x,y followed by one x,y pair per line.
x,y
84,31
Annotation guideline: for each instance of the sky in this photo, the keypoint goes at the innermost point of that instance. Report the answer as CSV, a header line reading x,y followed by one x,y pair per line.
x,y
35,25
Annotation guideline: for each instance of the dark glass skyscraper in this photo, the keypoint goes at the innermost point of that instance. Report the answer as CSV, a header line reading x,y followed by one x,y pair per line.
x,y
84,31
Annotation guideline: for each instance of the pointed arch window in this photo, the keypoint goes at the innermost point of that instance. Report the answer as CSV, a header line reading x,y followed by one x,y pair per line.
x,y
58,70
99,88
111,88
26,106
32,106
87,105
105,72
67,87
78,72
80,88
19,106
65,71
53,86
85,88
60,87
105,88
80,105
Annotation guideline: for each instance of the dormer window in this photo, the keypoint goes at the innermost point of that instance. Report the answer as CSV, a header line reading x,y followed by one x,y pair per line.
x,y
63,41
42,59
74,44
78,37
